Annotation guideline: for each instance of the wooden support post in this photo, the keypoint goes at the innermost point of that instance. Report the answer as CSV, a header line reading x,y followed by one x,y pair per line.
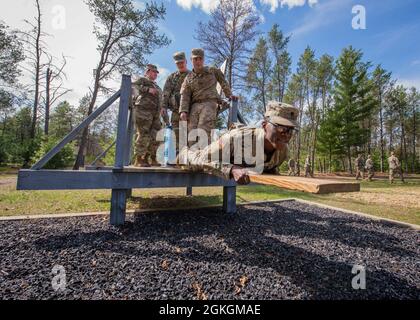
x,y
119,196
229,200
189,191
118,207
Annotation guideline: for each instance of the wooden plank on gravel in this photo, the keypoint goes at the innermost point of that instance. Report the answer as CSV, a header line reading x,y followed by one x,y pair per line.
x,y
316,186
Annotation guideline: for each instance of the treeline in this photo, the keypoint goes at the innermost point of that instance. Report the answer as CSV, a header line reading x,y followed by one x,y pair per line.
x,y
347,105
34,115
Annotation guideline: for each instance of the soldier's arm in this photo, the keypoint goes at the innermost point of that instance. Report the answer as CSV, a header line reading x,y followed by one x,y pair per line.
x,y
140,85
223,83
167,91
186,94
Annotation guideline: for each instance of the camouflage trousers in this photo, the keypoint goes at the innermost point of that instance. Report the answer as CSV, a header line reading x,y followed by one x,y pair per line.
x,y
360,173
393,172
203,116
292,172
148,124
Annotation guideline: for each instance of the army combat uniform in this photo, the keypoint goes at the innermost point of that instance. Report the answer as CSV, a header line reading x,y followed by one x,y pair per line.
x,y
147,117
394,167
370,168
172,95
200,160
360,171
199,96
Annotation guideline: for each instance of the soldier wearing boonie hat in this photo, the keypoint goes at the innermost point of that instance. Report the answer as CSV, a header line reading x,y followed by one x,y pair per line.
x,y
147,97
172,93
275,133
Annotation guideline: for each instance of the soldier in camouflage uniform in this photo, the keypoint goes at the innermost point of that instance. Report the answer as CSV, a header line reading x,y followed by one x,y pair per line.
x,y
199,96
273,136
172,93
308,167
394,167
360,167
292,167
147,104
370,168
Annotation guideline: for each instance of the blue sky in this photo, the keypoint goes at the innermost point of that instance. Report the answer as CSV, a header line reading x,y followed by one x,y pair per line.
x,y
391,37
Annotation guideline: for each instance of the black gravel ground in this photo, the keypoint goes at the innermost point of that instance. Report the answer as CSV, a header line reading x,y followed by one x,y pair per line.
x,y
267,251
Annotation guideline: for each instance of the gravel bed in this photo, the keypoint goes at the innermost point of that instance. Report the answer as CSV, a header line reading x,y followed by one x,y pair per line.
x,y
284,250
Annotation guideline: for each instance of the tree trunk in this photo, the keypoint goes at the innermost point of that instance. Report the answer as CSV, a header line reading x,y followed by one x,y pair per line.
x,y
37,73
349,159
414,138
381,130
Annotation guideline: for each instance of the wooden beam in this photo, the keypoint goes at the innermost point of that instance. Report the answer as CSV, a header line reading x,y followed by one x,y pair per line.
x,y
316,186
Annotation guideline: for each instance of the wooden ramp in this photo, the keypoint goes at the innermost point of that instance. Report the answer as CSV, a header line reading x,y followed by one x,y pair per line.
x,y
316,186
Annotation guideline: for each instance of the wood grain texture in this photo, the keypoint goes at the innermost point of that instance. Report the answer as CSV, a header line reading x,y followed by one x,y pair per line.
x,y
316,186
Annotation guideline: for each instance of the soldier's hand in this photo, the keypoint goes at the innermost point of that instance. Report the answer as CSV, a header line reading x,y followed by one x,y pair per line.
x,y
184,116
153,91
164,112
240,175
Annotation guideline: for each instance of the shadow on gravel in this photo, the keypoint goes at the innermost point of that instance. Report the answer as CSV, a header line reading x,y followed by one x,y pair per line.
x,y
315,251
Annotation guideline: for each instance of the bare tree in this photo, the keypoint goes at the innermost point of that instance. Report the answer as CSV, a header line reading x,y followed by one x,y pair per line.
x,y
228,34
54,88
126,36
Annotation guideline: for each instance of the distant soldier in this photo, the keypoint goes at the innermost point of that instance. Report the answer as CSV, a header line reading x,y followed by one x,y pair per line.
x,y
394,167
274,134
370,168
308,167
147,103
360,167
292,167
172,93
199,96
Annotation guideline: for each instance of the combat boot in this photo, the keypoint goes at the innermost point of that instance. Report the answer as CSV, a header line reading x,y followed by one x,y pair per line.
x,y
154,162
141,162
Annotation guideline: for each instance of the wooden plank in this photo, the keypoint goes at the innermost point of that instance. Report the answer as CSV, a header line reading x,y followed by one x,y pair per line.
x,y
133,169
316,186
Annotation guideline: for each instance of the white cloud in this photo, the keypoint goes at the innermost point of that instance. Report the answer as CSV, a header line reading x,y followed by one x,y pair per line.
x,y
415,63
206,5
274,4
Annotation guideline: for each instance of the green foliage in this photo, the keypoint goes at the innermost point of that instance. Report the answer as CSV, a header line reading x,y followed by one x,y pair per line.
x,y
61,160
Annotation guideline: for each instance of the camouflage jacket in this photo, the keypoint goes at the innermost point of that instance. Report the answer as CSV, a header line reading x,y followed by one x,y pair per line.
x,y
200,87
369,164
172,90
359,163
143,98
232,149
393,162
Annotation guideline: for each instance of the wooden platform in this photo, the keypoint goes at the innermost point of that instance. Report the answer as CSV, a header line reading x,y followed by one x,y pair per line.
x,y
316,186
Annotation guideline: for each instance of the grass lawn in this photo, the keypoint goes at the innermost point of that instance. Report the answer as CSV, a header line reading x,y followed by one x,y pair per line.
x,y
399,201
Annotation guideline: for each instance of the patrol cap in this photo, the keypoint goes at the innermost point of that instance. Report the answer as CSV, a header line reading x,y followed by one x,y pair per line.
x,y
197,53
152,67
282,113
179,57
